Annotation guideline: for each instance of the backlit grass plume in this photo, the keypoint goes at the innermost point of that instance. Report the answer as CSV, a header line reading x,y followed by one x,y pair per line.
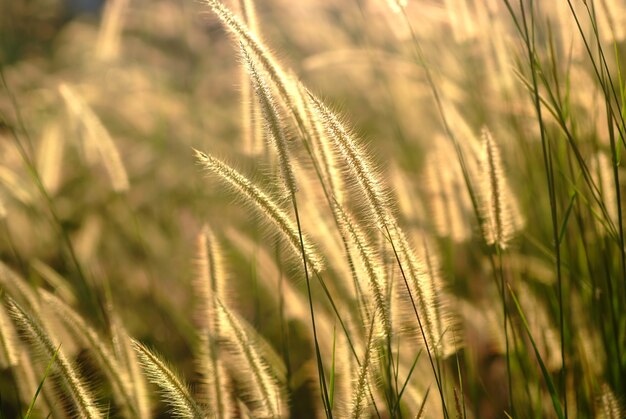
x,y
374,272
364,173
275,132
248,368
127,358
500,213
270,209
117,376
8,341
210,284
608,405
250,40
175,394
252,126
420,300
82,400
361,390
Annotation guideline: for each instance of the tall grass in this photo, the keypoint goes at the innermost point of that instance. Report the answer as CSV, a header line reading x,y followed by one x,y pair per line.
x,y
397,209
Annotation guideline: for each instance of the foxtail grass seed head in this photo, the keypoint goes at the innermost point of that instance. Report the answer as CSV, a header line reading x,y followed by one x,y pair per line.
x,y
273,123
260,200
360,166
250,368
608,405
83,401
117,376
8,341
500,213
175,393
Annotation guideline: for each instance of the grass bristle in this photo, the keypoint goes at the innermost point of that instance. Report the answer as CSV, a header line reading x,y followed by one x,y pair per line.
x,y
175,394
82,400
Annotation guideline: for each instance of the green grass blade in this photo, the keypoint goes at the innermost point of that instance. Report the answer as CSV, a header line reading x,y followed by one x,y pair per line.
x,y
544,371
29,412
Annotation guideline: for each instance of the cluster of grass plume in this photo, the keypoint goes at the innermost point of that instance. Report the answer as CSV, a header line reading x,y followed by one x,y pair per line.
x,y
442,271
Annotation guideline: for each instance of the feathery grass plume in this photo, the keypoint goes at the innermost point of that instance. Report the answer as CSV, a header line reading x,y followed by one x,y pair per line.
x,y
375,272
175,394
447,196
243,35
372,188
50,157
364,173
321,147
360,392
420,284
273,123
96,137
126,356
422,269
601,171
110,366
264,203
208,284
272,278
83,401
210,279
250,370
445,321
252,126
501,217
109,37
608,405
8,341
346,376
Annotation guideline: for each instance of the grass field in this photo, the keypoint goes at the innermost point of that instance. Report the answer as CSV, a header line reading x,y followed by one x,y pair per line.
x,y
314,208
